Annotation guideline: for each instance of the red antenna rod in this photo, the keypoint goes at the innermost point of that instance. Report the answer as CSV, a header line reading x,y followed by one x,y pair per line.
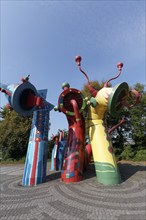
x,y
119,66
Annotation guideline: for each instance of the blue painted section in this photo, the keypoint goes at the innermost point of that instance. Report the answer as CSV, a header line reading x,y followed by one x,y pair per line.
x,y
42,162
53,158
42,93
72,174
60,154
3,86
27,179
28,163
10,87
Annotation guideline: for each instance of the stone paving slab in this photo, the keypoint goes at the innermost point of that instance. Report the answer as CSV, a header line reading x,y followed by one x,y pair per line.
x,y
78,201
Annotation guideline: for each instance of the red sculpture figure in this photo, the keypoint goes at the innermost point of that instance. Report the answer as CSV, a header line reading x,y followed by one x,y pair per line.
x,y
71,102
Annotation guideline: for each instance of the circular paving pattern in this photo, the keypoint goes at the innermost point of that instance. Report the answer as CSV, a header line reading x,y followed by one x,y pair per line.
x,y
84,200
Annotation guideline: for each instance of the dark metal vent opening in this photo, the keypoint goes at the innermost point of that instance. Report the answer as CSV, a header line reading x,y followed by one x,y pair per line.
x,y
68,97
24,97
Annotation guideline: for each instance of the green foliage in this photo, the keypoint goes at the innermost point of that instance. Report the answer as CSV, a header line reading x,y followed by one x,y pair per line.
x,y
13,161
50,147
134,129
127,153
138,120
140,155
14,134
95,84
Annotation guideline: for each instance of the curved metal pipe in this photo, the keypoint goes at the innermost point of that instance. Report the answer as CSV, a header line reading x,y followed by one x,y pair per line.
x,y
76,111
123,120
119,66
136,98
91,89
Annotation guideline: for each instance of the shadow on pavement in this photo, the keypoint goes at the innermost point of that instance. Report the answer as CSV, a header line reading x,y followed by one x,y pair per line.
x,y
90,172
127,170
53,176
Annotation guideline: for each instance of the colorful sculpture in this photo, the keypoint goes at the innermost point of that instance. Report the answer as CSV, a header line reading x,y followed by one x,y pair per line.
x,y
111,100
36,158
58,151
72,103
25,100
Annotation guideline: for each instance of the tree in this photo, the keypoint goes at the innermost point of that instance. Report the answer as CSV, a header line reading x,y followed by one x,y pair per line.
x,y
95,84
138,119
14,134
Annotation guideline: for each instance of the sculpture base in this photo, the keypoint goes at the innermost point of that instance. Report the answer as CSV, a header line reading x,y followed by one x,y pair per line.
x,y
71,177
107,174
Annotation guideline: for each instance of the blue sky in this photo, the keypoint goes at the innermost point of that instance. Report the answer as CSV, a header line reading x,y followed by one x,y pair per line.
x,y
42,38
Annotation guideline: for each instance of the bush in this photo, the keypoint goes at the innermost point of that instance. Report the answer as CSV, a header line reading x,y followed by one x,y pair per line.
x,y
127,153
13,161
140,155
117,152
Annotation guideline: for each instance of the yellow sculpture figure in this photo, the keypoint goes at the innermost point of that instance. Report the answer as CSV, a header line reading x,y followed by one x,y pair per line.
x,y
111,100
104,159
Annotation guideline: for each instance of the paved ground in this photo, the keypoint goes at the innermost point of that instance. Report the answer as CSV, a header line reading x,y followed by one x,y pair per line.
x,y
81,201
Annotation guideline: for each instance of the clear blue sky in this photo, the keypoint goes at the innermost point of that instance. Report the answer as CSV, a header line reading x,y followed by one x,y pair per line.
x,y
42,38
